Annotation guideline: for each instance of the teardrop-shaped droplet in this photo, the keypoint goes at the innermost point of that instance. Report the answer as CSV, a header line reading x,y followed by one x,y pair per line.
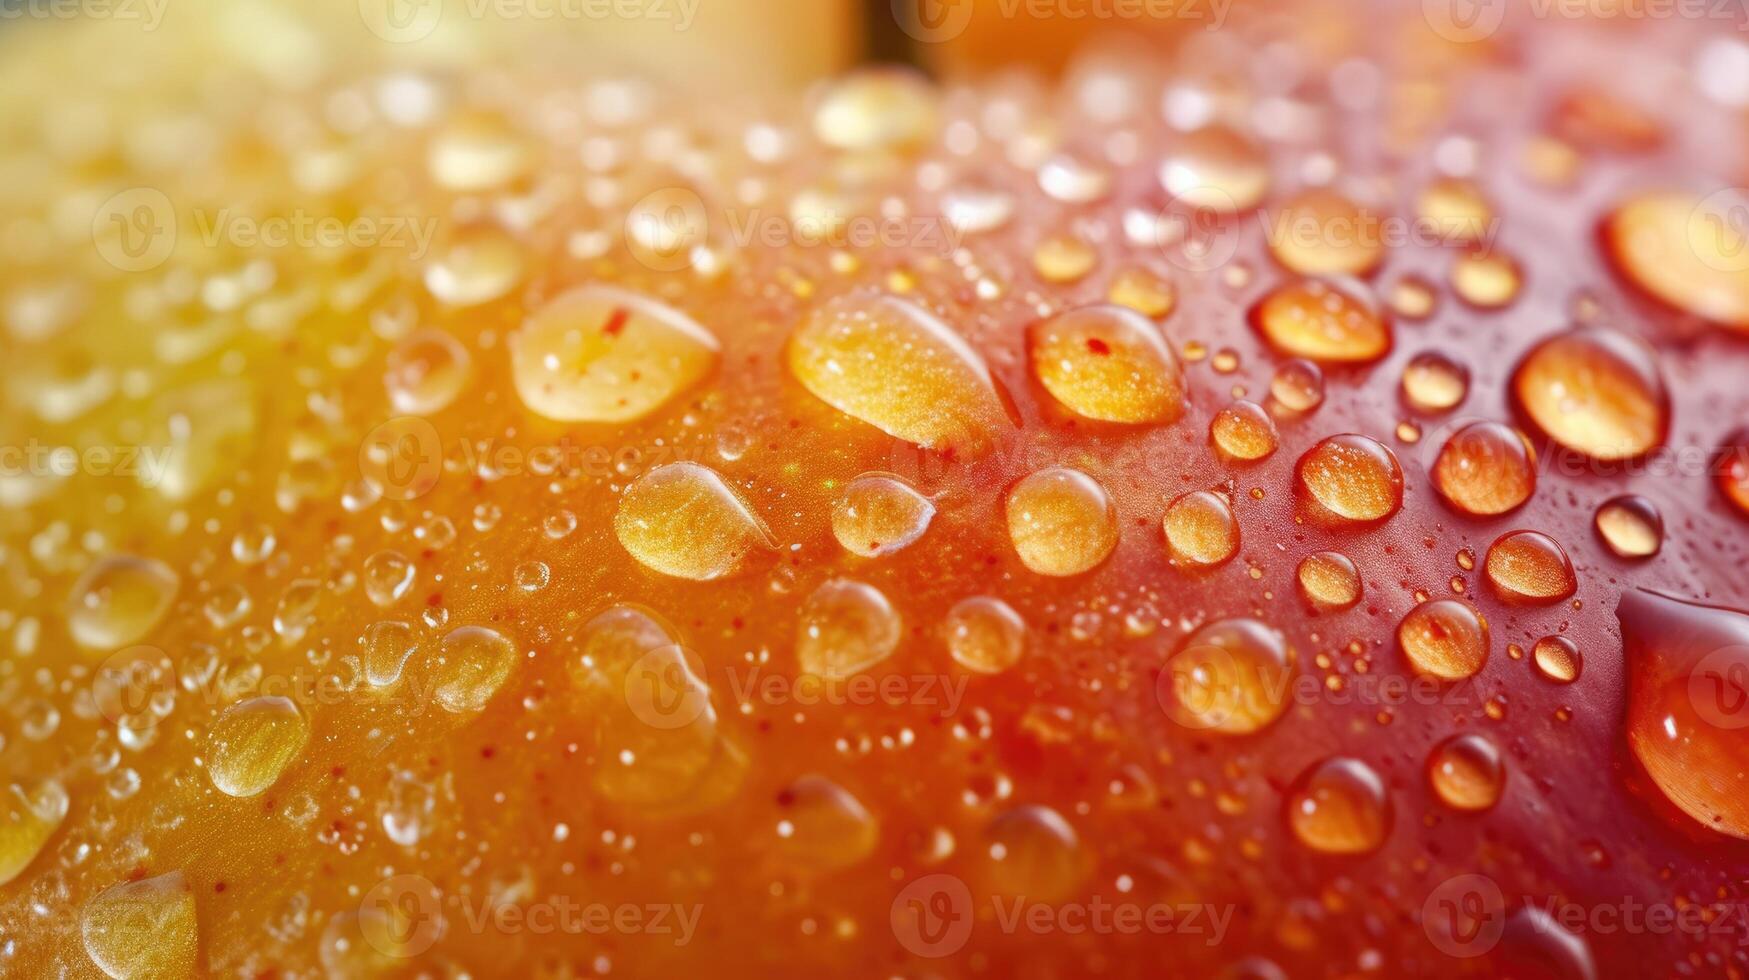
x,y
1596,392
29,815
388,646
1444,638
600,353
144,930
252,744
1315,319
1352,478
897,367
846,627
118,600
1061,521
879,514
683,519
1108,363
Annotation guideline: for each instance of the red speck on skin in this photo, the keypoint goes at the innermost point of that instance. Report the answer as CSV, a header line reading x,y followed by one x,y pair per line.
x,y
219,887
616,322
488,752
1098,346
434,599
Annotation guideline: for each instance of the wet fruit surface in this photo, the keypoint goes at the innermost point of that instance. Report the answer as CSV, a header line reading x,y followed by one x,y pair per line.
x,y
738,526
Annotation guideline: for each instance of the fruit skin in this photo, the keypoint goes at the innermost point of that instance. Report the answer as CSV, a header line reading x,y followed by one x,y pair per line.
x,y
1062,728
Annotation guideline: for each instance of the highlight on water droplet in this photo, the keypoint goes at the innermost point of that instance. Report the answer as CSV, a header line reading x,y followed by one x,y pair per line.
x,y
1200,529
1108,363
1434,383
252,744
1329,580
1467,772
472,663
1529,566
1557,658
1732,468
846,627
1243,431
1485,469
1444,638
1595,391
1231,676
601,353
890,363
1216,168
1631,526
879,514
1352,478
985,635
1339,806
1318,320
683,519
1061,521
120,599
144,930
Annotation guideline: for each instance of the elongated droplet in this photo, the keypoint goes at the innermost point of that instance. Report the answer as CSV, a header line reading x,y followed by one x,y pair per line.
x,y
29,816
600,353
846,628
895,366
1061,522
879,514
1686,251
683,519
1596,392
1108,363
1314,319
1353,478
1445,638
144,930
119,600
253,742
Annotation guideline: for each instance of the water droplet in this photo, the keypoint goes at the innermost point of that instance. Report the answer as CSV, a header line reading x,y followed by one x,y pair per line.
x,y
1244,431
1314,319
878,515
118,600
1529,566
1108,363
1063,259
846,628
822,827
1353,478
1073,180
1413,298
1144,292
1487,280
426,372
1557,658
1467,772
684,520
1231,676
985,635
253,743
1218,169
1339,806
477,152
1689,704
29,816
1032,851
1323,233
1457,211
877,109
254,544
144,930
1485,468
476,268
388,575
473,663
1685,251
1733,470
973,208
895,366
1061,521
532,576
600,353
1330,580
1434,383
1297,386
1201,529
1594,391
387,647
1444,638
1631,526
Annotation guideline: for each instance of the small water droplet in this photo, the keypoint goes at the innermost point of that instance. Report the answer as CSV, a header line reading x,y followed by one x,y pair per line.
x,y
846,628
1329,580
1339,806
1485,468
879,514
1434,383
120,599
985,634
1557,658
1467,772
1631,526
1201,529
1244,431
473,663
426,372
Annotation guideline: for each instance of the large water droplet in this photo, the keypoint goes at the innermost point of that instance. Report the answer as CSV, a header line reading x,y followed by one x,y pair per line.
x,y
119,600
426,372
1216,168
1596,392
895,366
604,354
1557,658
846,627
1314,319
1061,521
879,514
1485,468
1108,363
1445,638
144,930
1339,806
1353,478
1686,251
252,744
684,520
